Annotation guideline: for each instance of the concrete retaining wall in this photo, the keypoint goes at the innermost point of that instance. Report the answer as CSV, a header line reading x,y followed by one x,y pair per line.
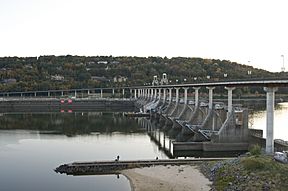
x,y
50,105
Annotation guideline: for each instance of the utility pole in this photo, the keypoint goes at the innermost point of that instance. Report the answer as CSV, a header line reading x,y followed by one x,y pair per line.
x,y
283,67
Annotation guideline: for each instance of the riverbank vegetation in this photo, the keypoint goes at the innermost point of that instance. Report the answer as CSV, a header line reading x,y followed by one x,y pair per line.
x,y
68,72
251,172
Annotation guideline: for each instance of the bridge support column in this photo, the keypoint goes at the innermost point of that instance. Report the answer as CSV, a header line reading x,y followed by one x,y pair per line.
x,y
139,93
185,95
131,93
164,94
230,101
270,99
35,94
170,95
196,95
210,97
62,93
159,92
155,94
101,93
48,94
151,93
75,93
123,92
135,93
177,95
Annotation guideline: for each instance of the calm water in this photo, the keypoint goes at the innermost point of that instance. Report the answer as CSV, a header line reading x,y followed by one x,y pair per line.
x,y
258,121
32,145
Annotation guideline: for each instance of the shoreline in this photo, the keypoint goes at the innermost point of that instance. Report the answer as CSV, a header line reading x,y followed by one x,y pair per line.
x,y
170,177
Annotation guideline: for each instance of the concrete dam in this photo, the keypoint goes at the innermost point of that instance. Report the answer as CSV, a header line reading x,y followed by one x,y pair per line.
x,y
194,125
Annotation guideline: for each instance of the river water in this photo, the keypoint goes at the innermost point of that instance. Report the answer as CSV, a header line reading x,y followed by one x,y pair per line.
x,y
32,145
258,121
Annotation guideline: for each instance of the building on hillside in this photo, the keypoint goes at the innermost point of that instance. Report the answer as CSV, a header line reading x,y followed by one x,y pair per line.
x,y
57,77
102,62
9,81
155,81
164,80
99,79
120,79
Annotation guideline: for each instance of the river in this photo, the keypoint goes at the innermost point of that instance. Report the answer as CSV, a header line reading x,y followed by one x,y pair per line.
x,y
33,144
257,120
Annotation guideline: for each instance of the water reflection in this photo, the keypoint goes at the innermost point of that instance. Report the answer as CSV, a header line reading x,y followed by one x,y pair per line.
x,y
258,121
70,124
165,143
32,145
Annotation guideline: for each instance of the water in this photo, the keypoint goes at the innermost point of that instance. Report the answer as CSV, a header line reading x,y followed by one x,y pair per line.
x,y
32,145
258,121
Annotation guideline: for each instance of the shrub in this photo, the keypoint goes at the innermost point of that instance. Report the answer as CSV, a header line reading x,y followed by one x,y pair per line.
x,y
252,163
255,150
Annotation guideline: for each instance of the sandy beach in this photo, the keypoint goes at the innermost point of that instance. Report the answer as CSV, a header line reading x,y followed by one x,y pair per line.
x,y
167,178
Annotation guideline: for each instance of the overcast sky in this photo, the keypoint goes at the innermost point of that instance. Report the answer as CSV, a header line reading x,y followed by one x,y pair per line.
x,y
238,30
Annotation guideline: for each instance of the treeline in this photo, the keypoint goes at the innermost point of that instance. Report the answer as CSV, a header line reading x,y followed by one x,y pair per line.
x,y
67,72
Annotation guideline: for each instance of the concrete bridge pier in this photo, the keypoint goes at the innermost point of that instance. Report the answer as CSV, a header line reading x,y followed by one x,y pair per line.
x,y
185,95
170,95
270,100
196,96
171,108
131,93
135,93
230,89
210,105
177,127
166,110
151,94
148,94
155,94
177,95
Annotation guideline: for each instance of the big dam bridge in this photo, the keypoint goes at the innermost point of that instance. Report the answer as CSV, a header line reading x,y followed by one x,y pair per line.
x,y
193,124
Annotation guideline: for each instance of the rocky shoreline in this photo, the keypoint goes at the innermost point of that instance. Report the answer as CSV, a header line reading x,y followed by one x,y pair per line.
x,y
112,167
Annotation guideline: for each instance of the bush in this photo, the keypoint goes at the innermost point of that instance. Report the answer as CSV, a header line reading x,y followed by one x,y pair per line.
x,y
252,163
255,150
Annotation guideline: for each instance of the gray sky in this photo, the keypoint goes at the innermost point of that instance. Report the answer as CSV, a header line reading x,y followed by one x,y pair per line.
x,y
238,30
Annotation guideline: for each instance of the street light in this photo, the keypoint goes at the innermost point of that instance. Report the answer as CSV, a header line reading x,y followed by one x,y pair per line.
x,y
283,67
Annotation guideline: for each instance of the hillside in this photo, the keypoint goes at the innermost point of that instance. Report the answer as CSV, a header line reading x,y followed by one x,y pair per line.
x,y
66,72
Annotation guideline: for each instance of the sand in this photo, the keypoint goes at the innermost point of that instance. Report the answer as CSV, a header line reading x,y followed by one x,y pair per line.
x,y
167,178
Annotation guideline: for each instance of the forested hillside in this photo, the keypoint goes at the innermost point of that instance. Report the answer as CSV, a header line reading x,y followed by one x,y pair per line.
x,y
66,72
